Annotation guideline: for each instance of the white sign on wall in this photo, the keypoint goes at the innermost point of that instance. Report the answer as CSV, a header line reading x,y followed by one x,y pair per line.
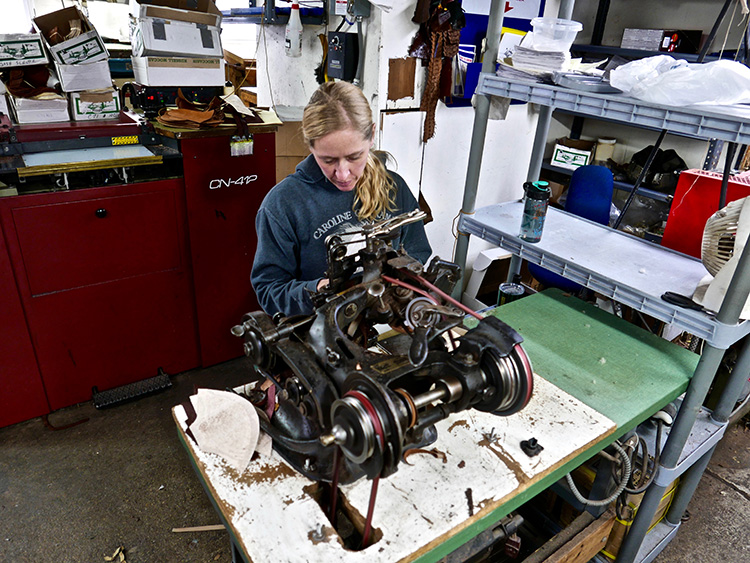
x,y
340,8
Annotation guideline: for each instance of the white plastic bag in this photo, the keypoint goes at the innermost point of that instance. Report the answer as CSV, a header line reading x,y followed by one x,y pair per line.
x,y
665,80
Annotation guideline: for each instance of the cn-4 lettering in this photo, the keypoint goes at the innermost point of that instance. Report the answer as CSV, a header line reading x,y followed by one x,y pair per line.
x,y
222,183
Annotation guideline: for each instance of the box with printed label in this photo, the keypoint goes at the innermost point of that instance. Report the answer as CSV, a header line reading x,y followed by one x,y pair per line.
x,y
52,109
178,71
168,28
94,105
21,50
158,37
70,37
86,76
572,153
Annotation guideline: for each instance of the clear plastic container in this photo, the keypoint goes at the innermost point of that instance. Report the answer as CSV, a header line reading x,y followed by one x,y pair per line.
x,y
554,34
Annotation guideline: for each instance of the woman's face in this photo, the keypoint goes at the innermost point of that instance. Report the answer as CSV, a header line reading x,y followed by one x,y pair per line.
x,y
342,156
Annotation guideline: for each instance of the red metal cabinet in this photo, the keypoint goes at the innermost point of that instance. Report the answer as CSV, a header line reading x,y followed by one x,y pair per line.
x,y
21,390
104,286
105,278
223,193
97,240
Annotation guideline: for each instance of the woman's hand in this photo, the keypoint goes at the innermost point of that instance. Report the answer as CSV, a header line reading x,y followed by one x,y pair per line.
x,y
321,284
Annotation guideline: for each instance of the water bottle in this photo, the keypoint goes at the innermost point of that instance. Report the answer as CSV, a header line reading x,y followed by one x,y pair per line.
x,y
534,210
293,33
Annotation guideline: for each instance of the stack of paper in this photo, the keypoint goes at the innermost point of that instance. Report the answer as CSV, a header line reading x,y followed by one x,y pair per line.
x,y
540,61
512,73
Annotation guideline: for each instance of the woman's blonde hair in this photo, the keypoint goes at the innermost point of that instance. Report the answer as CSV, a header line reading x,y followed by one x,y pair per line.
x,y
339,106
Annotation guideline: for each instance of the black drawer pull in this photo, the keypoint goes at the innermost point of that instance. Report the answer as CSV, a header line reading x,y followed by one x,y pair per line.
x,y
101,213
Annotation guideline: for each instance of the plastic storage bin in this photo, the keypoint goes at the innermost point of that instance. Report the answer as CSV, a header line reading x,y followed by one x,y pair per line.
x,y
554,34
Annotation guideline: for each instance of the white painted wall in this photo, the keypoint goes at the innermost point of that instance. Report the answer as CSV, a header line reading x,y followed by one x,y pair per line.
x,y
503,172
286,81
437,168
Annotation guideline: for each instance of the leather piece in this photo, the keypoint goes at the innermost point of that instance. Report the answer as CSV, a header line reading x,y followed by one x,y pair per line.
x,y
443,46
193,115
28,81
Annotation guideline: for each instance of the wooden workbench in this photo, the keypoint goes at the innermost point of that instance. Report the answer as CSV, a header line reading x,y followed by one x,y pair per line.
x,y
423,511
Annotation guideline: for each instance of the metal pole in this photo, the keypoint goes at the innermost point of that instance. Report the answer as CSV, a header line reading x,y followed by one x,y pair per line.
x,y
714,29
688,484
731,149
565,11
721,414
481,114
734,386
476,150
600,21
540,142
729,313
641,177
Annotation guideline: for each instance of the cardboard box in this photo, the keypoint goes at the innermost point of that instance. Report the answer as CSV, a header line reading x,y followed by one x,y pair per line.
x,y
169,29
86,76
291,148
489,270
94,105
621,527
86,47
665,40
572,153
26,110
177,10
178,71
158,37
21,50
290,141
285,165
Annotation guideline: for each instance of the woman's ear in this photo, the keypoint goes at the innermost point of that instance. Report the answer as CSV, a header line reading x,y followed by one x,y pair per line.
x,y
372,136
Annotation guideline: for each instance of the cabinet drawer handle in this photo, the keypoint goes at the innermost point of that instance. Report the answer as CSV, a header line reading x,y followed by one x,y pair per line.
x,y
101,213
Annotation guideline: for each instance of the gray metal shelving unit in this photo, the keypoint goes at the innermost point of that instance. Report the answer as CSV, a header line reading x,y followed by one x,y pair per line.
x,y
701,122
626,269
629,270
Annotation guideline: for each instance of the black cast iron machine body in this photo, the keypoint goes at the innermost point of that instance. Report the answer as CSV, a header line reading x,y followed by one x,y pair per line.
x,y
333,388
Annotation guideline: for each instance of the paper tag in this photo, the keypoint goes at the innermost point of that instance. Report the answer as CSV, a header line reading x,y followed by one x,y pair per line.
x,y
241,146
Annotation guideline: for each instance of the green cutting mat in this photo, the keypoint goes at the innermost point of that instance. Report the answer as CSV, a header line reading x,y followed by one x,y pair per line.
x,y
613,366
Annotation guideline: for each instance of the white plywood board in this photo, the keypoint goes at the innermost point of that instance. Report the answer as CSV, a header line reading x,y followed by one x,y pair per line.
x,y
274,519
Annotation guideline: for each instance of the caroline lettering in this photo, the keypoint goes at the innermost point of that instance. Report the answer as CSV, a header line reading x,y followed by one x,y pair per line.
x,y
332,222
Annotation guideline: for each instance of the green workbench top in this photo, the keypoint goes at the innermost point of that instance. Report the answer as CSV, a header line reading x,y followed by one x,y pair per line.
x,y
611,365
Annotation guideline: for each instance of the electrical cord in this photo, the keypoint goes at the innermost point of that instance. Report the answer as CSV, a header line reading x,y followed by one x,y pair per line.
x,y
641,487
604,502
265,53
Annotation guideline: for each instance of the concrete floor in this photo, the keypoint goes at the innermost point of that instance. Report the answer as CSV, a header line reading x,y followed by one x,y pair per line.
x,y
122,478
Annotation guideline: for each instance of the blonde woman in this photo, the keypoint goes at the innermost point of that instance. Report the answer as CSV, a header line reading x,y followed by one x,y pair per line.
x,y
341,185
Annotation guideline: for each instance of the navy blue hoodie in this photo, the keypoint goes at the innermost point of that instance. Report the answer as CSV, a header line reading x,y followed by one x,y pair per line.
x,y
292,225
